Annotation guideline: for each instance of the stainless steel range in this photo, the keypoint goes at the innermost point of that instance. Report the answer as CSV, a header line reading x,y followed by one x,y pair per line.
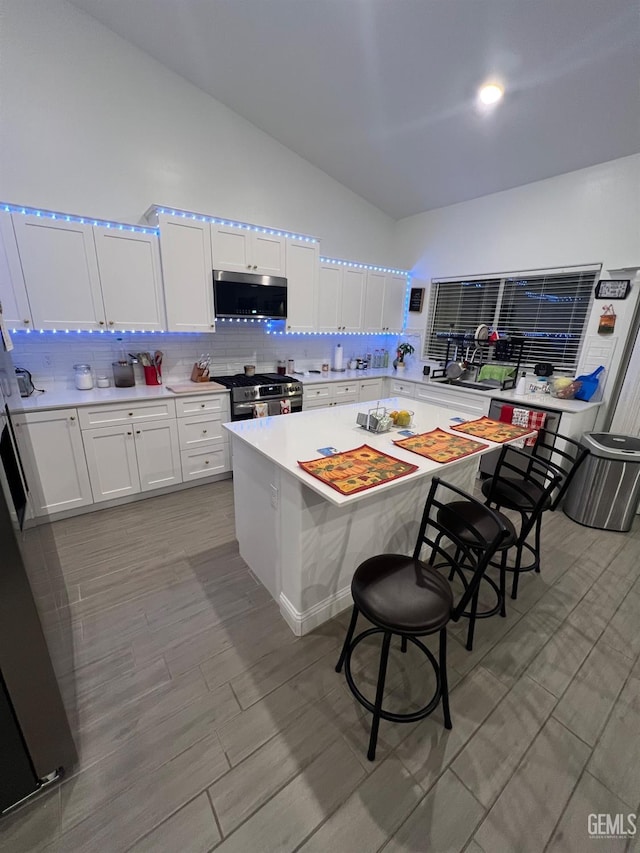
x,y
268,388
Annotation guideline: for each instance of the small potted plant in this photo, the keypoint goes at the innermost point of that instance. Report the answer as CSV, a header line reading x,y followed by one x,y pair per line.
x,y
402,350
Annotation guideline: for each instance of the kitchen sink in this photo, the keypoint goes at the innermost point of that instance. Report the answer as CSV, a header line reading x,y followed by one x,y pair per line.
x,y
468,383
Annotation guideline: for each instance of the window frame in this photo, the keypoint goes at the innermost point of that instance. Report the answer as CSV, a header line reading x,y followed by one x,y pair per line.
x,y
503,279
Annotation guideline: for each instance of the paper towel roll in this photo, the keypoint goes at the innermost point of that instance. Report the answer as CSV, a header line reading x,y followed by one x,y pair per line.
x,y
337,357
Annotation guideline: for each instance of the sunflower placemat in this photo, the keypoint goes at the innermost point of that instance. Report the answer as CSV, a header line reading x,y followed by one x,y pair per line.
x,y
358,469
441,446
492,430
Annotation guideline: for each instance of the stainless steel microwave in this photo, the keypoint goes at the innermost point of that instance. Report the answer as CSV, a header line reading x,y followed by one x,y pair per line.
x,y
242,295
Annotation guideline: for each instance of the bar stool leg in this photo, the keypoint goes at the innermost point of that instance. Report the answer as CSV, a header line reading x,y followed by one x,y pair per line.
x,y
382,674
403,645
443,679
516,572
472,619
503,584
347,639
537,543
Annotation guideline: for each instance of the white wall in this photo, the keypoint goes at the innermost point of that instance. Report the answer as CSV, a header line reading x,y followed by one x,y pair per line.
x,y
588,216
91,125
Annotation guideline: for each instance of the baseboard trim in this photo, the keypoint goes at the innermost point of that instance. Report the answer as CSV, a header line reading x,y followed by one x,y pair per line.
x,y
303,622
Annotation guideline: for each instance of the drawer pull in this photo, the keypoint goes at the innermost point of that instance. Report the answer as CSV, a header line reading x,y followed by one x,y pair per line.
x,y
206,461
204,431
202,405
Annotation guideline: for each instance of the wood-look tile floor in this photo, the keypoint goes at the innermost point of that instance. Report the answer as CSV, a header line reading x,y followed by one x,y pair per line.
x,y
202,723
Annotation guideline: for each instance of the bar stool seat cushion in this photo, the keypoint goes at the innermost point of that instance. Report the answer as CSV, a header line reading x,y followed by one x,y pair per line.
x,y
512,497
402,593
457,515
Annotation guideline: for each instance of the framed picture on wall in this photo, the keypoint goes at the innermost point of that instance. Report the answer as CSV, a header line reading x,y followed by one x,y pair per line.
x,y
613,288
416,298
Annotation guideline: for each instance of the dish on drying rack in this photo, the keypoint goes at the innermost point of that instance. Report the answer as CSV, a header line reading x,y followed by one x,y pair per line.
x,y
481,333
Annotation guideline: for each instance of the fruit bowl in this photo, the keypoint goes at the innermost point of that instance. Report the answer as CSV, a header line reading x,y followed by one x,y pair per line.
x,y
563,390
402,417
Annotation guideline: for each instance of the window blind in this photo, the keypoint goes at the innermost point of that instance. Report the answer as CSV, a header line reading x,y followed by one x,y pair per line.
x,y
549,309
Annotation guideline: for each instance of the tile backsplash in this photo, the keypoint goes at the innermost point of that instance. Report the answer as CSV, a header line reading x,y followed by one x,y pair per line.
x,y
50,356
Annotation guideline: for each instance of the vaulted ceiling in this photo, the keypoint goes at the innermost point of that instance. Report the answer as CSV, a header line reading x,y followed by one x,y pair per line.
x,y
381,94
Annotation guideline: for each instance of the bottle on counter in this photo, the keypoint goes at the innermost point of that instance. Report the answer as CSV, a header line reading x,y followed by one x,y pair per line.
x,y
521,387
386,358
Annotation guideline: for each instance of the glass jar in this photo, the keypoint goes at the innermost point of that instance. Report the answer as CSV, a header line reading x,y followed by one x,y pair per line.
x,y
282,367
82,376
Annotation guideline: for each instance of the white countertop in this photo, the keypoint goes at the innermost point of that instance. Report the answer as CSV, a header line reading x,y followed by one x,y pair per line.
x,y
291,438
62,398
70,397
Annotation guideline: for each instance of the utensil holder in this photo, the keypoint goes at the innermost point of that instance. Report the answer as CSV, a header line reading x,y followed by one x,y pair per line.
x,y
152,375
199,374
123,376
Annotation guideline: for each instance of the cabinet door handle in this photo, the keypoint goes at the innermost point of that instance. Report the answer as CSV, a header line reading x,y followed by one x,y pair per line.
x,y
130,414
72,418
204,432
206,461
137,432
26,322
111,322
129,433
101,322
248,266
202,405
255,266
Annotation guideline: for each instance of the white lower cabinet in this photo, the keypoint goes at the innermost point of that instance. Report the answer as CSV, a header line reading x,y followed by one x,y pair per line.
x,y
136,457
60,480
204,443
112,461
371,389
401,388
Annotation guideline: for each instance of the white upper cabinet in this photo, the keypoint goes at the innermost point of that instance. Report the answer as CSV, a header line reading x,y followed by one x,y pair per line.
x,y
185,248
374,301
302,285
395,293
129,266
244,250
341,294
385,302
13,293
60,272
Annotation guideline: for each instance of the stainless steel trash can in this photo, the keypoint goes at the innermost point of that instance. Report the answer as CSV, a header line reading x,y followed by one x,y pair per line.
x,y
606,489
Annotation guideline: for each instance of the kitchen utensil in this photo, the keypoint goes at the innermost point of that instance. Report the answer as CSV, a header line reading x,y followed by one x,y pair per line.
x,y
454,369
157,363
543,369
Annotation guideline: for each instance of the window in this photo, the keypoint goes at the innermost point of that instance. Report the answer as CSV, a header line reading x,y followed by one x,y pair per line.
x,y
549,308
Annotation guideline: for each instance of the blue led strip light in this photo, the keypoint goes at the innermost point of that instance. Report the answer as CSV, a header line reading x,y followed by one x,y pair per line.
x,y
356,265
245,226
83,220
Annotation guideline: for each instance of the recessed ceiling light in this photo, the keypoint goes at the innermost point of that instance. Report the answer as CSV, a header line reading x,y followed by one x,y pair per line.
x,y
490,93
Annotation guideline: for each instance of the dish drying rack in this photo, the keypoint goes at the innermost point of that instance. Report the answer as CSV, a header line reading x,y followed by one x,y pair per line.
x,y
375,420
503,351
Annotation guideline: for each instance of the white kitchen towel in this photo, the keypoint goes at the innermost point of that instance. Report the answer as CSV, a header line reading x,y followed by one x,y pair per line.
x,y
520,417
260,410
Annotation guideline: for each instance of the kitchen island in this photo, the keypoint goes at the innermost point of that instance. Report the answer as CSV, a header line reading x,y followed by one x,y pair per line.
x,y
303,539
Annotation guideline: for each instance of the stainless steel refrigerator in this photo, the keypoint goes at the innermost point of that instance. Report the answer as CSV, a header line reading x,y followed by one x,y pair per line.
x,y
36,745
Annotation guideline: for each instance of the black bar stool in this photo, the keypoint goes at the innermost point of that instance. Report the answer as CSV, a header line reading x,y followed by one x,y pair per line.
x,y
404,596
528,485
565,453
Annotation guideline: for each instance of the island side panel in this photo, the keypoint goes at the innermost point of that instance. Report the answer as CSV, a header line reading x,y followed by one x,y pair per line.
x,y
325,543
257,511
